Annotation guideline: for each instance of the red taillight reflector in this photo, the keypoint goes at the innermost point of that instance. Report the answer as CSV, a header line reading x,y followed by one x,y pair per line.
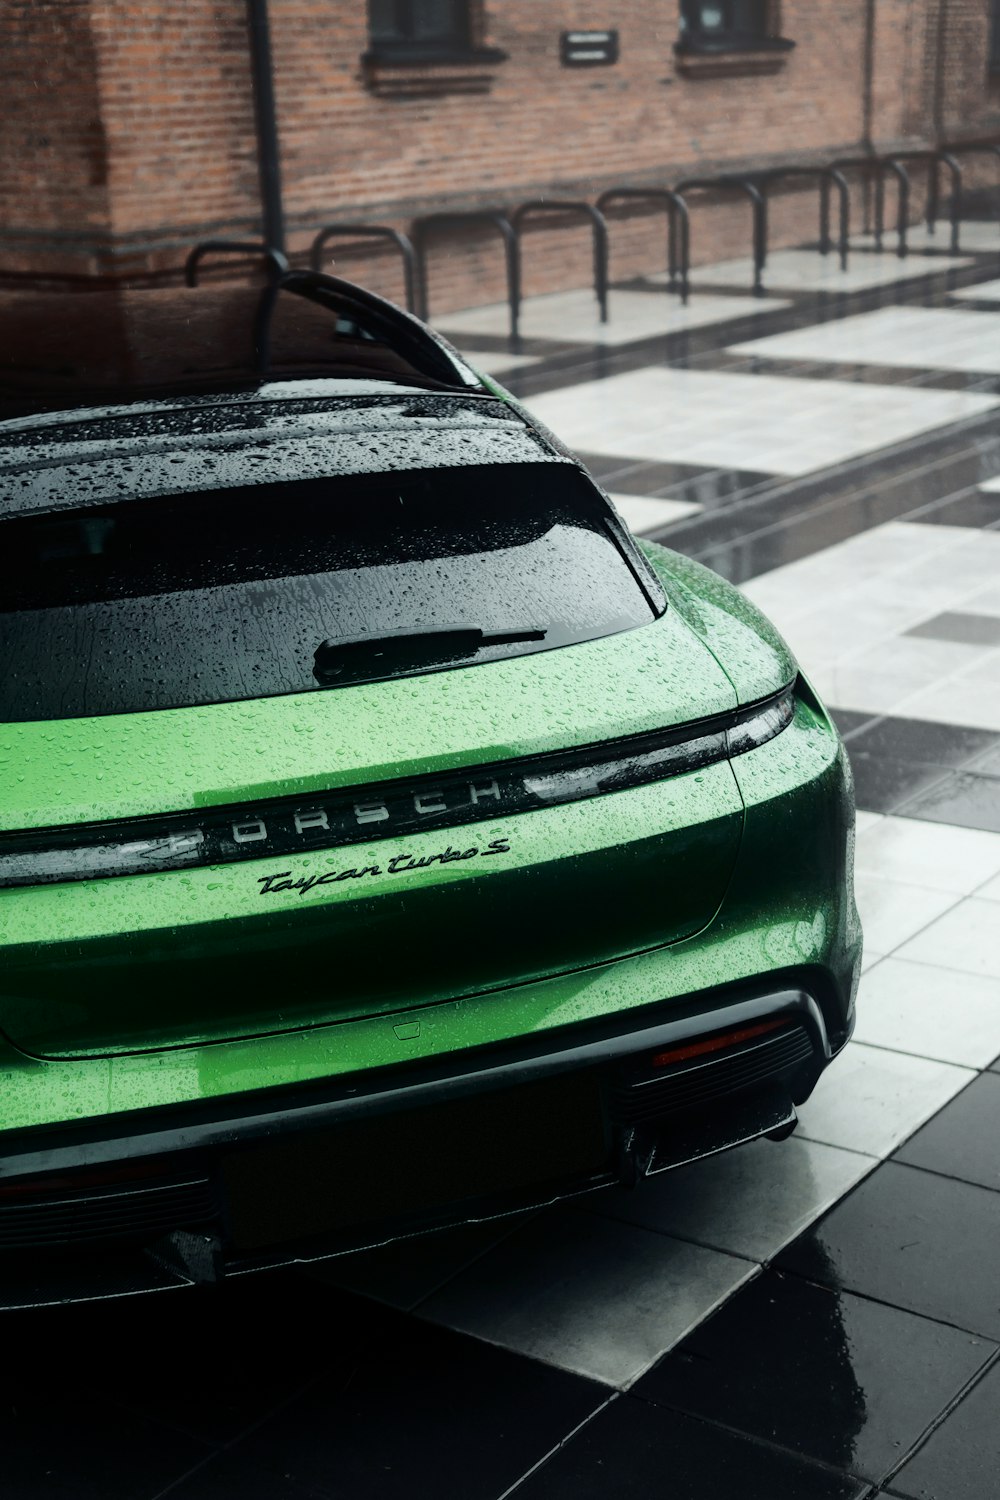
x,y
714,1043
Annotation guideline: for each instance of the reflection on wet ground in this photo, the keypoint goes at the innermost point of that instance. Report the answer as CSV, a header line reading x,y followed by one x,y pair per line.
x,y
815,1319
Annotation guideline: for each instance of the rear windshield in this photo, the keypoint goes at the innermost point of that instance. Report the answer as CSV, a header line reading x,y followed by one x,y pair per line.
x,y
227,595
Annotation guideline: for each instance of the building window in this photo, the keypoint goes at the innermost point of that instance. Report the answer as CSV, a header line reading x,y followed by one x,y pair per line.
x,y
729,26
420,30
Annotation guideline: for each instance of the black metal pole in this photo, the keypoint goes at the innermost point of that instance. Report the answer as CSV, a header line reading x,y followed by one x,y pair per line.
x,y
268,149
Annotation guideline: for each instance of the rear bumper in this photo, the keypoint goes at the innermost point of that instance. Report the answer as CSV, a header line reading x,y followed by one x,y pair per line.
x,y
187,1194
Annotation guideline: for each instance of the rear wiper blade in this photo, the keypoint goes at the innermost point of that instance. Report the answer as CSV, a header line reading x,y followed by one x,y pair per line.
x,y
336,657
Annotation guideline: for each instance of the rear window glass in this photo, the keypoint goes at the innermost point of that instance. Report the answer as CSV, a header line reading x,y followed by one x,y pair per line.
x,y
227,595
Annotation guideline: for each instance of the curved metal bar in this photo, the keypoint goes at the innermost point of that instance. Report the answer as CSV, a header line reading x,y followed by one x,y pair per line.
x,y
428,223
971,148
548,206
373,232
677,213
828,177
879,166
934,160
902,176
277,260
758,204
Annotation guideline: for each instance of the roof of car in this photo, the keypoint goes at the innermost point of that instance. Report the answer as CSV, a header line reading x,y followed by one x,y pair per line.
x,y
118,395
97,456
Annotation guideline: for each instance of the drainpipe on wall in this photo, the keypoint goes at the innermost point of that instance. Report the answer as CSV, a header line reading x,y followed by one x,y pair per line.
x,y
942,34
868,82
268,149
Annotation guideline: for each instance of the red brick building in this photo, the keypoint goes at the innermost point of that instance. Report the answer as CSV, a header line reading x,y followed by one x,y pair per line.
x,y
129,127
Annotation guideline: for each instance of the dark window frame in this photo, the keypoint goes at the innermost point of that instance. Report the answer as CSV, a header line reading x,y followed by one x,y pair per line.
x,y
737,31
458,41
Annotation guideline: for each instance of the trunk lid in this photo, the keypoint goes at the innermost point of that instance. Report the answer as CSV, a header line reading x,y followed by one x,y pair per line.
x,y
152,960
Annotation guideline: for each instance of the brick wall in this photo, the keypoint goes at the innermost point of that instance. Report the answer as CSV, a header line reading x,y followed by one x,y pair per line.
x,y
132,132
52,138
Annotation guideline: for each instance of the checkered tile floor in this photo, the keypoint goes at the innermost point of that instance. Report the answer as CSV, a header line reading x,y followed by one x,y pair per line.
x,y
813,1319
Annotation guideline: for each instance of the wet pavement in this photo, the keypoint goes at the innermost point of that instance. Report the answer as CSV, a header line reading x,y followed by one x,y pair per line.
x,y
819,1318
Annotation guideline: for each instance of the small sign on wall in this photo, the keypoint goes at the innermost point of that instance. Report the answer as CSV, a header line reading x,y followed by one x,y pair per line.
x,y
588,49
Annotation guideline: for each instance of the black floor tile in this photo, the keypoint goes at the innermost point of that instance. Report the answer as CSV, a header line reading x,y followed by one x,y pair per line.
x,y
923,1243
214,1359
987,764
976,630
978,509
922,740
882,783
633,1451
77,1448
961,1460
964,798
849,722
791,520
639,476
431,1412
610,469
818,1372
962,1141
227,1477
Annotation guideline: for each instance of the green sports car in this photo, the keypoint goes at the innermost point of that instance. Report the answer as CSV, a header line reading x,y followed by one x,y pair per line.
x,y
388,838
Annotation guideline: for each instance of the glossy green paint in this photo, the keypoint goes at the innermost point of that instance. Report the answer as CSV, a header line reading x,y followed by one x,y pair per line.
x,y
88,967
802,919
125,765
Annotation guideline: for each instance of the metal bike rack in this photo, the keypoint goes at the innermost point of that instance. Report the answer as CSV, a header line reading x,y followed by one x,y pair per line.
x,y
745,186
552,207
829,178
972,148
278,269
877,167
424,227
677,213
370,232
935,160
277,260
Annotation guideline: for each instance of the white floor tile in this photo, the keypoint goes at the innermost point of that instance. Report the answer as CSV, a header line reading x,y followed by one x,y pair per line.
x,y
983,291
862,690
589,1294
934,855
856,626
966,938
990,891
937,337
641,514
970,699
572,317
749,1202
931,1012
974,234
869,958
892,912
986,601
808,271
863,821
767,423
871,1100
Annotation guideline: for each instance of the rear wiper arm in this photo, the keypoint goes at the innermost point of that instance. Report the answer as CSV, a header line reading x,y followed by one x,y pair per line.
x,y
398,648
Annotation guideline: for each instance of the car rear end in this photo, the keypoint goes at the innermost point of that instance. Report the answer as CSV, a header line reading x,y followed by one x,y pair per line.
x,y
324,919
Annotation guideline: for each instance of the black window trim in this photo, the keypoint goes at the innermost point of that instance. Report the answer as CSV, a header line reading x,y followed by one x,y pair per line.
x,y
695,40
410,51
